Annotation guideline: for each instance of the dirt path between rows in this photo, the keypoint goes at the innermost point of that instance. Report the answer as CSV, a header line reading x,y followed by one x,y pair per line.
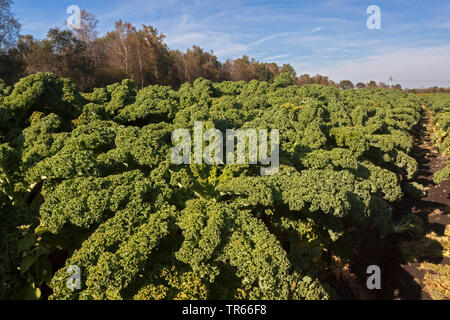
x,y
429,264
419,268
413,267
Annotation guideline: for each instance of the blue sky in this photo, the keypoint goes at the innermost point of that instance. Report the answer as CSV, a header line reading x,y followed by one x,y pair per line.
x,y
328,37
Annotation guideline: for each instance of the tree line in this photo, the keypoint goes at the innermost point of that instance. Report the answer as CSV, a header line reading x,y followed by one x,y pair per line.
x,y
125,52
434,89
128,52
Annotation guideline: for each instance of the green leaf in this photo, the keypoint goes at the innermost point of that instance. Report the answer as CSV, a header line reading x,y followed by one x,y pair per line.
x,y
42,249
30,293
26,263
25,243
44,269
40,230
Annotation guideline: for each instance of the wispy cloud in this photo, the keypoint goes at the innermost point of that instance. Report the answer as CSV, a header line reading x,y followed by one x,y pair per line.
x,y
222,44
265,39
274,58
326,36
411,67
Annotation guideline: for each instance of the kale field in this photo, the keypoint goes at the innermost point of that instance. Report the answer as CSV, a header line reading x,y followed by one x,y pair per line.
x,y
92,205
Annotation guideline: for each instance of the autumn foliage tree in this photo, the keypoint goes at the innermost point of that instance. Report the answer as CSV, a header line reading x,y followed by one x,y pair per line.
x,y
346,84
11,62
127,52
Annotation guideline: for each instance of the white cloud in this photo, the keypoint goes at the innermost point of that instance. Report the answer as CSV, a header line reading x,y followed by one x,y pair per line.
x,y
186,33
411,67
268,38
316,29
281,56
221,43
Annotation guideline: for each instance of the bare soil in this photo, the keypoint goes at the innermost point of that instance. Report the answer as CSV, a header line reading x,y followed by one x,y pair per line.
x,y
433,209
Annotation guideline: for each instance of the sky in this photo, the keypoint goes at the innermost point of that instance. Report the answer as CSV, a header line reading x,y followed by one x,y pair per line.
x,y
328,37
